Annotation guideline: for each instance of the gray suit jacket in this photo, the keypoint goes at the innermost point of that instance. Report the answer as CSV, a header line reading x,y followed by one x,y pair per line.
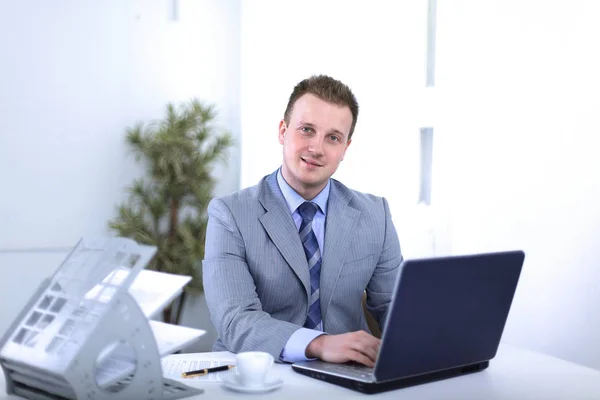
x,y
256,277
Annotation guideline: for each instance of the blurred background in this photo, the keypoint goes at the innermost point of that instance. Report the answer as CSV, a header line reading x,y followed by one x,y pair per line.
x,y
478,123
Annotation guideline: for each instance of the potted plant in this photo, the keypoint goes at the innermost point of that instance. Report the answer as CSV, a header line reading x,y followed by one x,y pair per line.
x,y
167,207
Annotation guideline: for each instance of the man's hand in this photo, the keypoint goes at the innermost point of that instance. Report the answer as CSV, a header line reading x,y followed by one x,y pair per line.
x,y
354,346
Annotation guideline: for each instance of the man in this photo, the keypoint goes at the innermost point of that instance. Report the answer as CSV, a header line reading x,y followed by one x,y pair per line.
x,y
287,261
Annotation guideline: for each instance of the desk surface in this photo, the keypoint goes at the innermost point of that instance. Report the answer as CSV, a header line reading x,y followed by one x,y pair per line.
x,y
514,374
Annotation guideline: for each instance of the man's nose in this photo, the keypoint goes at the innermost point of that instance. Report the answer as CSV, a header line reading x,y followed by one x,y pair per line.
x,y
316,145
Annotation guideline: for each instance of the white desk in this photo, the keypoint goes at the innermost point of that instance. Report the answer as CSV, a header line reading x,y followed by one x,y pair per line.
x,y
514,374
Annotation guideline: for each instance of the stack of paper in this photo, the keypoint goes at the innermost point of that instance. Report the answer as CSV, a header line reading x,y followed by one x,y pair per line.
x,y
153,291
173,366
171,338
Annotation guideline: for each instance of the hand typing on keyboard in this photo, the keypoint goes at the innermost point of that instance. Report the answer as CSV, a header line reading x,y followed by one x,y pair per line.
x,y
358,346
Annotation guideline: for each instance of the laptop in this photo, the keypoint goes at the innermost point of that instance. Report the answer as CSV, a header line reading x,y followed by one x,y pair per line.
x,y
445,320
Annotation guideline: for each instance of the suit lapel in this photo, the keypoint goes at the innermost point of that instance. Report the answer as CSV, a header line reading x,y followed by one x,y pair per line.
x,y
340,223
280,227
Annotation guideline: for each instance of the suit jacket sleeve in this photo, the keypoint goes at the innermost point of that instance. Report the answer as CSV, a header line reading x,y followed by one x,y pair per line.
x,y
381,286
235,308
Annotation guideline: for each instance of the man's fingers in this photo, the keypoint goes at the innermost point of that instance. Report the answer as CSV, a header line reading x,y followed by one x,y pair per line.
x,y
365,348
371,352
362,335
359,346
359,357
368,346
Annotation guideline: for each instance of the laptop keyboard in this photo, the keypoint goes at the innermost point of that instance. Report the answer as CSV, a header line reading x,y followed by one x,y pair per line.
x,y
357,371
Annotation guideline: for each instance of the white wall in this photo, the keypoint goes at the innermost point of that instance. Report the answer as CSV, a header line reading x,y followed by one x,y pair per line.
x,y
378,48
21,275
74,75
520,83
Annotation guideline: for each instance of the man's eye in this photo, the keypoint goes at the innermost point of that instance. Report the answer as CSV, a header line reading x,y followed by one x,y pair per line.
x,y
306,129
334,138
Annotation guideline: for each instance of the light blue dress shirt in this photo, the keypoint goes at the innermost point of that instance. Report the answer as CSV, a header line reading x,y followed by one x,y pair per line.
x,y
295,348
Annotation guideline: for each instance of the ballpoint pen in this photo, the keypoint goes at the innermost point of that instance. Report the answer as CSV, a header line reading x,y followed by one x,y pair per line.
x,y
200,372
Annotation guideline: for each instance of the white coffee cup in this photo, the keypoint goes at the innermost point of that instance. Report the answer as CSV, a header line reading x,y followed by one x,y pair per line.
x,y
253,367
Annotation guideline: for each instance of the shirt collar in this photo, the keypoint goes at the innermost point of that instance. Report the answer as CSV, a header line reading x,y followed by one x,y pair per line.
x,y
293,199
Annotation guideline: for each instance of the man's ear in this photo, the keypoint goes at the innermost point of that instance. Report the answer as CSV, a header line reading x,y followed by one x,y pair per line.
x,y
347,145
282,130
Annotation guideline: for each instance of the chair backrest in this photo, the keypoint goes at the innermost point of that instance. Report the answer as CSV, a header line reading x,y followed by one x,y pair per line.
x,y
371,321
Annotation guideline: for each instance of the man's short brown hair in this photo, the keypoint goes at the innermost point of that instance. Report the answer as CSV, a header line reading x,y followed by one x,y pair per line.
x,y
327,89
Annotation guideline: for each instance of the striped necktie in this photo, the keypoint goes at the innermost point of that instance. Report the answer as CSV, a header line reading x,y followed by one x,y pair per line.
x,y
307,211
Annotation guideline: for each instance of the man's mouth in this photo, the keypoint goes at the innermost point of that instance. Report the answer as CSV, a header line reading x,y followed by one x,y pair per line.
x,y
311,162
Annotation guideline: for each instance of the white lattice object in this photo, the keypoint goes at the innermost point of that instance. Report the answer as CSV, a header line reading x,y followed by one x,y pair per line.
x,y
83,336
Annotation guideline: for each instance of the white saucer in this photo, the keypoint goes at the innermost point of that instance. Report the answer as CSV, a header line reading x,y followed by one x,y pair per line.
x,y
233,383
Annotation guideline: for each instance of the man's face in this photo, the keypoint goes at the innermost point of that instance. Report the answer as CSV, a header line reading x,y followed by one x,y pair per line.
x,y
314,143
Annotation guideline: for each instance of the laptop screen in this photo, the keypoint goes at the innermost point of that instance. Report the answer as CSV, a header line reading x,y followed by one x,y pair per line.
x,y
447,312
